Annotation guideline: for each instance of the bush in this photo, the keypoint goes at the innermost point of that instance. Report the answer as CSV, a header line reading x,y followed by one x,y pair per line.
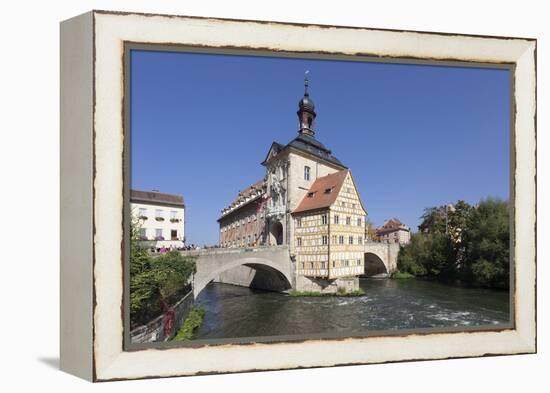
x,y
153,279
191,324
353,293
402,275
305,293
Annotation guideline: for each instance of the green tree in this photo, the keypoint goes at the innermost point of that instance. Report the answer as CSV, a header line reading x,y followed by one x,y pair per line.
x,y
487,245
462,242
433,220
411,256
458,218
440,257
428,255
143,286
152,279
173,273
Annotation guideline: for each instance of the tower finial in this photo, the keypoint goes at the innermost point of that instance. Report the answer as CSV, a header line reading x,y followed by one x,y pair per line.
x,y
306,111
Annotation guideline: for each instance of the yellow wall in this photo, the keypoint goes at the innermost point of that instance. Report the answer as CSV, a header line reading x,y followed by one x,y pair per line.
x,y
312,255
347,205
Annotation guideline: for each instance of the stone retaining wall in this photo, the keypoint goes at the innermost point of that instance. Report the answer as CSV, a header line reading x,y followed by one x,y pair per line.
x,y
322,285
155,331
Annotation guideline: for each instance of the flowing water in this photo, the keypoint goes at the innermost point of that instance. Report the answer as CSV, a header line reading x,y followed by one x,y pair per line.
x,y
233,311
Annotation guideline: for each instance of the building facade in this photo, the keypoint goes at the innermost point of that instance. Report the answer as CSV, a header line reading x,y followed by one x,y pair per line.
x,y
242,223
394,231
161,218
329,229
290,206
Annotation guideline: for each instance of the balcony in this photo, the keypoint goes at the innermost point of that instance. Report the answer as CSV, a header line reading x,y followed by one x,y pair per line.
x,y
277,211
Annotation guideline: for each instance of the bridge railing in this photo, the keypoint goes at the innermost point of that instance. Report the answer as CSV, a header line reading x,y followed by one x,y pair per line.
x,y
229,250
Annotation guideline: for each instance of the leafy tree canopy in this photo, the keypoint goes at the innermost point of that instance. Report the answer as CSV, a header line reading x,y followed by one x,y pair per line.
x,y
154,278
462,243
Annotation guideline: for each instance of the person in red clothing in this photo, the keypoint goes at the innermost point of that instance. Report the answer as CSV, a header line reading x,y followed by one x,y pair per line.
x,y
169,316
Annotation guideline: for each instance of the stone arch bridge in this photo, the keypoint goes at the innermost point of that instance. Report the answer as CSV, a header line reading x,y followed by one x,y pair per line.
x,y
271,267
380,258
260,267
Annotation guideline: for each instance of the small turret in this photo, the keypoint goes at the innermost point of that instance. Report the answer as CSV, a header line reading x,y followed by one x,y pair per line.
x,y
306,111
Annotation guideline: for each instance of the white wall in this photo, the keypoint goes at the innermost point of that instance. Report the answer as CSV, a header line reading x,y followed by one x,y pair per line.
x,y
151,224
298,186
29,161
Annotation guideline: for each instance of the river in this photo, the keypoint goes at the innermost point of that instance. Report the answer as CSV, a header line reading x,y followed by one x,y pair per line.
x,y
233,312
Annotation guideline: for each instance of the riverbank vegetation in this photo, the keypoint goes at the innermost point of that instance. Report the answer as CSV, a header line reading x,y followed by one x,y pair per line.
x,y
191,324
340,292
156,283
401,275
461,243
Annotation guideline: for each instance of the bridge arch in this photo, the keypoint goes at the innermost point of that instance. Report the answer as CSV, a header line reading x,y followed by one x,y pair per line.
x,y
374,264
267,272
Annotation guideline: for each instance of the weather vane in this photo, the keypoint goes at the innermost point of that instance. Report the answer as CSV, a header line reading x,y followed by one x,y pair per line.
x,y
306,82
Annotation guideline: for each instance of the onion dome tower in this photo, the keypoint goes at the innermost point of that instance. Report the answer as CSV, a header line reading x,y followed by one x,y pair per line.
x,y
306,111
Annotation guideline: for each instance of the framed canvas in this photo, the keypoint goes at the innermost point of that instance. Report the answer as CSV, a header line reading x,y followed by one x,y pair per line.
x,y
259,255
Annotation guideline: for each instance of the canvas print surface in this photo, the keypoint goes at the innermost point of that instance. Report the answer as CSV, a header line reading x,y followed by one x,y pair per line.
x,y
286,198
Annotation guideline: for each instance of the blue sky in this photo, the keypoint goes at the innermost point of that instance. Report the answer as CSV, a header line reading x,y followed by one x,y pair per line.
x,y
414,136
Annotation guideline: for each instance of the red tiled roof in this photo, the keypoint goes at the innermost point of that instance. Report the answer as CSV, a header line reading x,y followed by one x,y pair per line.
x,y
248,191
318,196
391,225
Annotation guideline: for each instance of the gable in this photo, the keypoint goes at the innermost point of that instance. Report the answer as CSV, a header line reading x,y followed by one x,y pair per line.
x,y
274,150
323,192
348,199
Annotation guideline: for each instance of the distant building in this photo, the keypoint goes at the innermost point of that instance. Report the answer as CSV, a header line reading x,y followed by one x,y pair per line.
x,y
242,224
394,231
161,218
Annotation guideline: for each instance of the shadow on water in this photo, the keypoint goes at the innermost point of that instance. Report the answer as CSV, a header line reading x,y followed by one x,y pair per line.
x,y
233,311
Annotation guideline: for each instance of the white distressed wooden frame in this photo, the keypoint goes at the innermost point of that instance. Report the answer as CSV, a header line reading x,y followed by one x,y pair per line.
x,y
92,89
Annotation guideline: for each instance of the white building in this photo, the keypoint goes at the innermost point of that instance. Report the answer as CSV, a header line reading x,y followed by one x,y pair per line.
x,y
161,218
394,231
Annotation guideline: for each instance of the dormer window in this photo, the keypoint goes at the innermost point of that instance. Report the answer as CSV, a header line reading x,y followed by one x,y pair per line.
x,y
328,190
310,194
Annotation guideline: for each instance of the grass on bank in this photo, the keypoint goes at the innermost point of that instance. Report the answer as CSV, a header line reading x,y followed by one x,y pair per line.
x,y
402,275
340,292
191,324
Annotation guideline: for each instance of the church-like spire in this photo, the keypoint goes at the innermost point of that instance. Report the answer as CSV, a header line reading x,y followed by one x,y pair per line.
x,y
306,111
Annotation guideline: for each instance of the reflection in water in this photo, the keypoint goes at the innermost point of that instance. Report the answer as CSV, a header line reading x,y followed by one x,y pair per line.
x,y
233,311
